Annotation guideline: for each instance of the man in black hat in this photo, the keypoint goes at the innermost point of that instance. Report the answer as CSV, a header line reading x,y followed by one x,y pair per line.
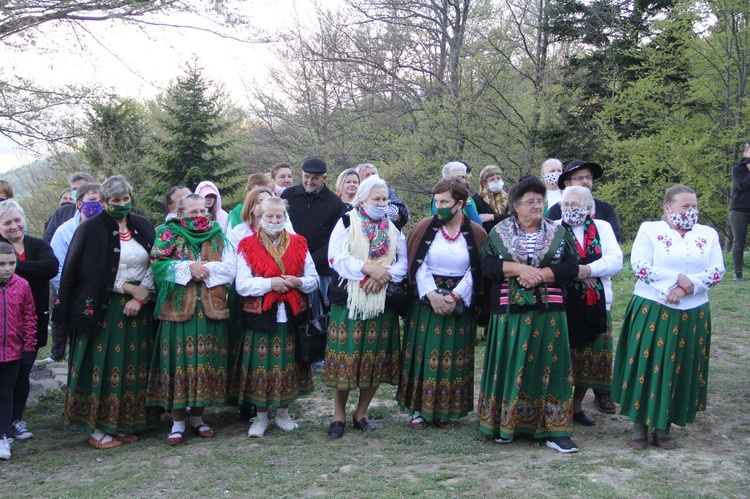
x,y
579,172
583,173
314,211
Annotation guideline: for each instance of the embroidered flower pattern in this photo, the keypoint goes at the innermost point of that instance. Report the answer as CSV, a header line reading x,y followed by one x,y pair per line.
x,y
89,310
644,271
701,244
665,240
712,277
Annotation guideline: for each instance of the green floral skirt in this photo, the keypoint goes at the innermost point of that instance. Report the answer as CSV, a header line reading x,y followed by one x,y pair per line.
x,y
189,365
267,372
437,377
592,362
108,373
361,354
527,382
661,366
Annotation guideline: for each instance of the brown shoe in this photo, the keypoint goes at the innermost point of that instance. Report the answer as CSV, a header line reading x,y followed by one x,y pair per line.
x,y
176,438
99,445
203,431
664,440
126,438
638,443
604,403
418,423
442,424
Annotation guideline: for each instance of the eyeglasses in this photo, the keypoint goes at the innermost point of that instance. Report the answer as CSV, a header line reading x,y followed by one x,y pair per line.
x,y
532,202
193,213
570,206
581,178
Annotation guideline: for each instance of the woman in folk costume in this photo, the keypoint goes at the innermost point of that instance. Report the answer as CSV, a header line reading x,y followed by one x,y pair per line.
x,y
589,298
104,300
274,273
527,381
437,378
192,267
661,365
492,199
366,252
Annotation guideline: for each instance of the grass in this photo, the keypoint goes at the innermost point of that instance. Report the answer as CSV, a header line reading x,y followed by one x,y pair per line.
x,y
712,459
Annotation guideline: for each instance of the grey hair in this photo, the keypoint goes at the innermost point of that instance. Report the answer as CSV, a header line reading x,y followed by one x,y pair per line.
x,y
78,176
272,201
551,162
10,205
366,187
362,166
116,185
190,197
451,167
587,199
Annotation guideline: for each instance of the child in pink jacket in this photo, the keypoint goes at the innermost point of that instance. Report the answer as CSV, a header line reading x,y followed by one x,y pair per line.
x,y
17,337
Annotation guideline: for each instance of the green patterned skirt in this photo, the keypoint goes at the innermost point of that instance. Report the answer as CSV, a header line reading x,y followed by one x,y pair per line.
x,y
361,354
661,366
592,362
189,366
235,333
437,377
527,382
267,372
108,373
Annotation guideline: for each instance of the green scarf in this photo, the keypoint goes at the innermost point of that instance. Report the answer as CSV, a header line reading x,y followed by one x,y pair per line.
x,y
176,241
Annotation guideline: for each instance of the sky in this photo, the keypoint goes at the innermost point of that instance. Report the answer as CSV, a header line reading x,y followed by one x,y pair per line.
x,y
140,62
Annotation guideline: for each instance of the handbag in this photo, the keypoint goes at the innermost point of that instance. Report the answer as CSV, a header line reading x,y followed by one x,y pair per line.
x,y
397,297
312,335
457,311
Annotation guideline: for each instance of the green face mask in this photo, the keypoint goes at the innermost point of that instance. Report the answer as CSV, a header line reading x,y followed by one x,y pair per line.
x,y
118,212
446,214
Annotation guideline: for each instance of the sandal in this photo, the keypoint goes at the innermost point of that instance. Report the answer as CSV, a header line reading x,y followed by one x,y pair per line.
x,y
418,423
203,431
126,438
176,438
99,445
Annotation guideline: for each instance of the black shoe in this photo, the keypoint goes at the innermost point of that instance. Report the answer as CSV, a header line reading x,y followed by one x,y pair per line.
x,y
584,418
246,413
336,430
364,425
562,444
738,277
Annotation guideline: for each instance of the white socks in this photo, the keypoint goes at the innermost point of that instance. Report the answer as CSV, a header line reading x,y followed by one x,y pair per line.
x,y
100,436
178,426
196,421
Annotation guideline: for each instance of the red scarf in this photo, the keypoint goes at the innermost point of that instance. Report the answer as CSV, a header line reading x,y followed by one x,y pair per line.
x,y
263,265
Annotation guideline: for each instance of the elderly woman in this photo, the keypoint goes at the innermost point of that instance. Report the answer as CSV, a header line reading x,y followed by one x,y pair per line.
x,y
192,267
103,299
274,273
347,185
590,297
437,379
527,382
661,365
35,264
491,200
551,171
366,252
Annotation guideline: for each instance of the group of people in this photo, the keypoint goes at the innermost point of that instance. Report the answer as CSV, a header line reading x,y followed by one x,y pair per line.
x,y
203,310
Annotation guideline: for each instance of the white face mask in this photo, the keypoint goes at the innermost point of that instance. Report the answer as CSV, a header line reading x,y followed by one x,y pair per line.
x,y
375,212
575,218
684,221
552,177
495,187
272,229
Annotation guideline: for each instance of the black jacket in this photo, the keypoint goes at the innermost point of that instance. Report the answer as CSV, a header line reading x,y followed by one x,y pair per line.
x,y
90,269
604,211
484,207
59,217
314,216
403,211
40,265
741,187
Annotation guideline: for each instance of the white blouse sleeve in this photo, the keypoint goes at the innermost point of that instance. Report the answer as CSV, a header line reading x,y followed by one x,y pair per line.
x,y
148,279
425,280
642,262
400,267
339,258
310,279
223,272
611,261
248,285
465,288
182,272
714,271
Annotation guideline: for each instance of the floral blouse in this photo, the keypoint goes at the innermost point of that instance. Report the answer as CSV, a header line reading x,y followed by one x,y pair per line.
x,y
660,253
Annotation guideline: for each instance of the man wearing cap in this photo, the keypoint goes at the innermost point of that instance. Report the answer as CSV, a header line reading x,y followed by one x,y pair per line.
x,y
579,172
583,173
314,211
397,211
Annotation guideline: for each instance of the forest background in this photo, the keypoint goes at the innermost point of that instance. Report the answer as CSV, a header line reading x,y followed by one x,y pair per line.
x,y
655,91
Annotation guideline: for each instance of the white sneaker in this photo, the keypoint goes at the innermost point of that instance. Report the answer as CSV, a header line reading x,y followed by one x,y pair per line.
x,y
20,431
5,448
48,360
284,421
258,428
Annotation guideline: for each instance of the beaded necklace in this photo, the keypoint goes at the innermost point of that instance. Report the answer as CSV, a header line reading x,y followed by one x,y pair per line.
x,y
447,236
126,236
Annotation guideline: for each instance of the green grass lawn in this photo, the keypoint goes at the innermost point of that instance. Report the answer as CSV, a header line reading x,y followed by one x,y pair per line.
x,y
712,458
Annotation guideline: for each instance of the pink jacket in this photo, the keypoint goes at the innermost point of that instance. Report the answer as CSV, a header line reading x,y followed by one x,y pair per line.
x,y
17,319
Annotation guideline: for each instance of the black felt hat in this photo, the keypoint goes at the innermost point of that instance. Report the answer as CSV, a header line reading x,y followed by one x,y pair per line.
x,y
578,164
314,165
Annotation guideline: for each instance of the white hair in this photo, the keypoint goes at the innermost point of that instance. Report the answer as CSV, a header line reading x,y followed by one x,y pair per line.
x,y
9,205
452,167
363,166
551,162
587,199
366,187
